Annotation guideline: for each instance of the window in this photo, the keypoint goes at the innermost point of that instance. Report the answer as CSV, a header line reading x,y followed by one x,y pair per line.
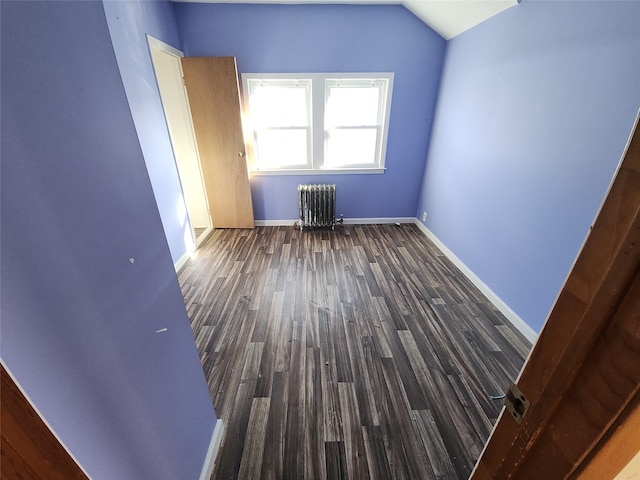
x,y
280,122
321,123
353,122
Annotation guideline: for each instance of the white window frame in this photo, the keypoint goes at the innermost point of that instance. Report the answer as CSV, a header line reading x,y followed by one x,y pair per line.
x,y
319,89
252,131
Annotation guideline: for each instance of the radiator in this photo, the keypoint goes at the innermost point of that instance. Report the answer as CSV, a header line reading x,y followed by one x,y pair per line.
x,y
317,206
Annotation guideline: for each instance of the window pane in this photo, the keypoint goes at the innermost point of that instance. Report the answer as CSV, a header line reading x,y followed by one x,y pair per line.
x,y
352,106
351,147
281,148
316,121
278,106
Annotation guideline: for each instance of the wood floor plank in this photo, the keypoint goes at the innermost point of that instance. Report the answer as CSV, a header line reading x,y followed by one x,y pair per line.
x,y
376,453
356,353
273,455
336,462
232,450
439,460
400,411
355,455
314,445
251,463
268,361
296,422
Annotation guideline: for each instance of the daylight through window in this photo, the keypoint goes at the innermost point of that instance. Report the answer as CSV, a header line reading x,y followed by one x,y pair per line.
x,y
317,122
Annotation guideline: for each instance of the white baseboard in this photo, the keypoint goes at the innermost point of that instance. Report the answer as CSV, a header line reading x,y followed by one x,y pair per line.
x,y
347,221
212,452
378,220
187,255
204,236
512,316
181,261
275,223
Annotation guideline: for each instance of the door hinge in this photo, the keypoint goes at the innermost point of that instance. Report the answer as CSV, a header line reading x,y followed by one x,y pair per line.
x,y
516,403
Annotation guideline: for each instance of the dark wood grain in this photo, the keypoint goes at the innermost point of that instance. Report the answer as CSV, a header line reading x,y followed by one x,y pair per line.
x,y
29,449
356,353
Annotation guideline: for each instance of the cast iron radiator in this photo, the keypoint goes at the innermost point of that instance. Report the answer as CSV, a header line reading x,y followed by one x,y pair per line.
x,y
317,206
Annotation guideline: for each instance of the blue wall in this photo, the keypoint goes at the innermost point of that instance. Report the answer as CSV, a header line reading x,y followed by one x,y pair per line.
x,y
78,318
333,38
129,23
534,112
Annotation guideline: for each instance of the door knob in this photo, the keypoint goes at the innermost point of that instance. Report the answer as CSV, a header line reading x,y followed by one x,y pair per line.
x,y
241,154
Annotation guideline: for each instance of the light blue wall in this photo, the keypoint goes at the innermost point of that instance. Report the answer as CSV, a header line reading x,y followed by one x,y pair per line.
x,y
534,112
78,319
129,22
333,38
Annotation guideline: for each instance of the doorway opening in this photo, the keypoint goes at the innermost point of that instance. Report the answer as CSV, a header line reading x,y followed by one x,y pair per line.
x,y
169,77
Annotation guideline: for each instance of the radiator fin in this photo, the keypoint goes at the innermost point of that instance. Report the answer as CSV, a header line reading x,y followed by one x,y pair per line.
x,y
317,205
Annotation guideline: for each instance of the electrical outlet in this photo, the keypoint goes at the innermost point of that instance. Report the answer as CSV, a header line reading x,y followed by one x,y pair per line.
x,y
424,216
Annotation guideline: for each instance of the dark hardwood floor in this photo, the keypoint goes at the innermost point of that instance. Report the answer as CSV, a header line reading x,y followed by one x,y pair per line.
x,y
356,353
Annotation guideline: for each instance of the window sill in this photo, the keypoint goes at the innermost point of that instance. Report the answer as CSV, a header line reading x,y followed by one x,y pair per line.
x,y
342,171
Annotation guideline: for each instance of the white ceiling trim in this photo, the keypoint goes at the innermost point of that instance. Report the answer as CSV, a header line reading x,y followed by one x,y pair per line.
x,y
448,18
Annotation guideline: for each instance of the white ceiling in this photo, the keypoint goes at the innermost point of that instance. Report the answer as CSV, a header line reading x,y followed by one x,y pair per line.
x,y
447,17
452,17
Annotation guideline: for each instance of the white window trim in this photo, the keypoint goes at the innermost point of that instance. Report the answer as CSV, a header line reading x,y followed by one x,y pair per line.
x,y
283,82
317,118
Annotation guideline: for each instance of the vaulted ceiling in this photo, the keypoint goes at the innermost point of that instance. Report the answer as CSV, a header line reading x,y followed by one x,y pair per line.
x,y
452,17
447,17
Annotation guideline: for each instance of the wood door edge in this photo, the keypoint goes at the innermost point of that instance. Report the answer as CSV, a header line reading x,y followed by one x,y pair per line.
x,y
507,436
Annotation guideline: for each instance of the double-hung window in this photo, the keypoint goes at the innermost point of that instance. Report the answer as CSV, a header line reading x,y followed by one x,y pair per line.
x,y
317,123
280,122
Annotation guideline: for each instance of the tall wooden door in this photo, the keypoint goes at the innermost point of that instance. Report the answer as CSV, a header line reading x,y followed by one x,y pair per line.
x,y
582,379
212,88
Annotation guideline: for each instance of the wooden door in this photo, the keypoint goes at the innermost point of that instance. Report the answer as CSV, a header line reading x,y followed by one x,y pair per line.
x,y
583,375
29,448
212,87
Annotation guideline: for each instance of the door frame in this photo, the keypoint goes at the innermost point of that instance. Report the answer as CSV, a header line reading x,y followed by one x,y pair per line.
x,y
155,44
